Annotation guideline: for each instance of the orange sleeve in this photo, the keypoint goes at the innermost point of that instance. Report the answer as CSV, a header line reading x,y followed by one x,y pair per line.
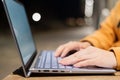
x,y
105,36
116,51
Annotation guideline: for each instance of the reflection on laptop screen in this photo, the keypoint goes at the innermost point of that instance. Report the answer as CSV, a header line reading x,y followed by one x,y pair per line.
x,y
21,28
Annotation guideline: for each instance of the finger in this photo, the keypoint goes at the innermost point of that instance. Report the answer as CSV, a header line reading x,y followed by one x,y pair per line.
x,y
85,63
64,53
68,51
59,50
74,58
69,60
64,49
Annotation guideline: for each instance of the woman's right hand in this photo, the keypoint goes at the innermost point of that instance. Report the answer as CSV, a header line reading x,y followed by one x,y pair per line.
x,y
64,49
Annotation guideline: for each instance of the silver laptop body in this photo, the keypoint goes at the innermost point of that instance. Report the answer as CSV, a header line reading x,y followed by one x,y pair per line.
x,y
33,62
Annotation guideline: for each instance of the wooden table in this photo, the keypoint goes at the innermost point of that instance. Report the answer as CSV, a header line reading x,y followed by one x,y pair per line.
x,y
115,76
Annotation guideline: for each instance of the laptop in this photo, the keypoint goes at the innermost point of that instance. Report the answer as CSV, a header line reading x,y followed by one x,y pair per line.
x,y
44,61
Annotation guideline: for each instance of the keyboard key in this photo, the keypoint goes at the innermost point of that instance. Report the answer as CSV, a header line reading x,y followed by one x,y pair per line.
x,y
54,61
43,57
68,67
48,60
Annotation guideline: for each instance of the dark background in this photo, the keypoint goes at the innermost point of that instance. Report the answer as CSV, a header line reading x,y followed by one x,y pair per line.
x,y
50,10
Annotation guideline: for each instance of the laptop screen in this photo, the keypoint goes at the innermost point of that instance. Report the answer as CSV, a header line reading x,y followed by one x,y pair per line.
x,y
21,29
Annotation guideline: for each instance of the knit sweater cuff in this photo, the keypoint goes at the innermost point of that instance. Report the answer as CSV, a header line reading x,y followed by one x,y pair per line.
x,y
116,51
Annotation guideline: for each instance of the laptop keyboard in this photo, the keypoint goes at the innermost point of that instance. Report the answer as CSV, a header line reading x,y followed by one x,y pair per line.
x,y
47,60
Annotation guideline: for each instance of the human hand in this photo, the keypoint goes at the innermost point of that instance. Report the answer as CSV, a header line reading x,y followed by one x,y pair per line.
x,y
91,56
63,50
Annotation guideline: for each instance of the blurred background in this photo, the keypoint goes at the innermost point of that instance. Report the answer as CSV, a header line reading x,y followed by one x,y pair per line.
x,y
61,21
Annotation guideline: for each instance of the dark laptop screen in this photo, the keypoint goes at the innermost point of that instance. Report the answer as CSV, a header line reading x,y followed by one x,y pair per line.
x,y
21,29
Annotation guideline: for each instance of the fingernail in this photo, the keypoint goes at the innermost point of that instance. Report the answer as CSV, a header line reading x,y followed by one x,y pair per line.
x,y
60,61
56,55
61,56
